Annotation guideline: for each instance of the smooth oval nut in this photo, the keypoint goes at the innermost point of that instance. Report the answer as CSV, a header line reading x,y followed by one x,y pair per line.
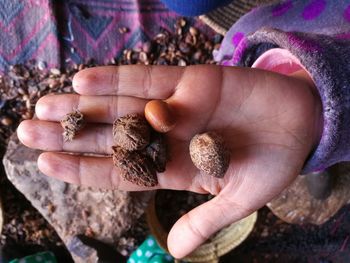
x,y
160,116
209,154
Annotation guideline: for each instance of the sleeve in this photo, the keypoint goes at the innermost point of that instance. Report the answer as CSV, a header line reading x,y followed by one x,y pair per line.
x,y
194,7
307,30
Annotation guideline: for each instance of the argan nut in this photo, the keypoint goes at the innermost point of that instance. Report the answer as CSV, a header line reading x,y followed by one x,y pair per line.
x,y
160,116
6,121
136,167
71,124
157,151
209,154
132,132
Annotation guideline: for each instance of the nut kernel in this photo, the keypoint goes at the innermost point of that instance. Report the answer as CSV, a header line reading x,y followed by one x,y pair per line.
x,y
160,116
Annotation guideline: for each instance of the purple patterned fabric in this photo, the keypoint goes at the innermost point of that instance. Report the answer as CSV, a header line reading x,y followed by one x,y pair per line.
x,y
27,30
74,31
317,32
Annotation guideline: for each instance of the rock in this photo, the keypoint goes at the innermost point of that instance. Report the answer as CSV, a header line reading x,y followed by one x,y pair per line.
x,y
78,248
296,205
73,211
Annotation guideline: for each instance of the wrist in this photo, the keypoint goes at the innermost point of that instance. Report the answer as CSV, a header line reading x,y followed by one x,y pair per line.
x,y
283,62
304,76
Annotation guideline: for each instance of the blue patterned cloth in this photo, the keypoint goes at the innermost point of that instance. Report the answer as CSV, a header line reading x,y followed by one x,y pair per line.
x,y
194,7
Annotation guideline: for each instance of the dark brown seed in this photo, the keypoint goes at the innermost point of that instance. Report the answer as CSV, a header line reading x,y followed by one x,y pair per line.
x,y
209,154
128,54
51,208
179,31
71,124
41,65
55,71
157,151
28,115
182,22
21,91
182,63
208,45
143,57
147,47
193,31
184,48
132,132
6,121
198,55
123,30
135,167
89,232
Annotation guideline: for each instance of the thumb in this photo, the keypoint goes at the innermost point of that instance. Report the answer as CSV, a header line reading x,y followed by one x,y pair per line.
x,y
195,227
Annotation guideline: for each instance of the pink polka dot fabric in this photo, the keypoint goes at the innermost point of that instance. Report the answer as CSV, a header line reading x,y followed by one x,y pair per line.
x,y
314,9
346,14
317,32
312,16
282,8
237,38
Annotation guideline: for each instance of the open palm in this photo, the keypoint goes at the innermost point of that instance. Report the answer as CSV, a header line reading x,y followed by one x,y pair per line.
x,y
270,123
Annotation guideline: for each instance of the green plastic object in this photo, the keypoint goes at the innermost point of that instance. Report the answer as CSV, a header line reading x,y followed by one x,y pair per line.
x,y
150,252
42,257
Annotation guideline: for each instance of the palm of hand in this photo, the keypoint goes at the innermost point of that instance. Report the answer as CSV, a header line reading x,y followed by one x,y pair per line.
x,y
268,122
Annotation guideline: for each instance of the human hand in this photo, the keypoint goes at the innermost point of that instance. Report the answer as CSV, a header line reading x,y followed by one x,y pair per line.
x,y
270,123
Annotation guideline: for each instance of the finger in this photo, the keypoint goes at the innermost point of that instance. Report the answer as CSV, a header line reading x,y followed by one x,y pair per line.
x,y
85,171
251,184
97,172
149,82
101,109
47,136
195,227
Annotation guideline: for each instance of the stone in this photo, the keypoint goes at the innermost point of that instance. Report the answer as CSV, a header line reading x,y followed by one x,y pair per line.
x,y
295,205
104,214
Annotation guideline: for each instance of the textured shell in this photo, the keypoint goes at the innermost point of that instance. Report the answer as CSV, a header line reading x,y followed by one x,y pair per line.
x,y
71,124
132,132
209,154
136,167
157,151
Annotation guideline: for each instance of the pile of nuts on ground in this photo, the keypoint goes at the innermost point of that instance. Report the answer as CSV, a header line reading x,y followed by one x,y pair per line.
x,y
23,85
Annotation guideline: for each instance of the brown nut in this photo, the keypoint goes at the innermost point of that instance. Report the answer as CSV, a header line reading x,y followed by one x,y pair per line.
x,y
209,154
157,151
136,167
160,116
131,132
71,124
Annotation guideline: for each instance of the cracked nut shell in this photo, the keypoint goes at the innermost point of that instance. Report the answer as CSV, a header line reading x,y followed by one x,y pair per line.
x,y
131,132
71,124
135,167
209,154
157,151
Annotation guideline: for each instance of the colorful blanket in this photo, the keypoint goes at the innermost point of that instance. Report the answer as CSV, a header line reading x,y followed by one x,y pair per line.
x,y
59,32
